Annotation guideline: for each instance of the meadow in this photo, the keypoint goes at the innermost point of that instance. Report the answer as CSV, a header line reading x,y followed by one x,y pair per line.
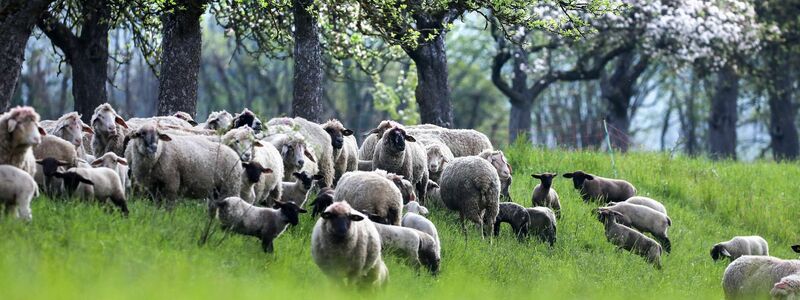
x,y
76,250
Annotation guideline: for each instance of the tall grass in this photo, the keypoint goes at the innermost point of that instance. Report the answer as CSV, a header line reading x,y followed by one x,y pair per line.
x,y
75,250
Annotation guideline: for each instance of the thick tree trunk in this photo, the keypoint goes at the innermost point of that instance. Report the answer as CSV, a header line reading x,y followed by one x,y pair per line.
x,y
308,67
722,121
617,91
433,91
17,18
180,58
783,112
519,121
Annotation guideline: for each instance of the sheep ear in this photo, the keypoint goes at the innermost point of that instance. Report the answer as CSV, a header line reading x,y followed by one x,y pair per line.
x,y
317,177
266,170
12,124
40,161
97,162
537,176
326,215
356,218
41,130
302,210
410,138
347,132
62,163
433,184
164,137
120,122
725,252
122,161
258,144
796,248
588,177
192,122
567,175
86,128
309,155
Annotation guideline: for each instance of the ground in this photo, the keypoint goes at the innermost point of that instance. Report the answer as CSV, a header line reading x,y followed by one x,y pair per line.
x,y
75,250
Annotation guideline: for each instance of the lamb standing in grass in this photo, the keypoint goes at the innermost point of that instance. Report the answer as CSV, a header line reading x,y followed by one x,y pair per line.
x,y
297,191
417,246
752,277
645,219
372,193
345,149
95,183
268,224
21,134
629,239
599,188
17,189
739,246
414,219
515,215
116,163
470,186
545,195
542,223
398,152
347,248
258,157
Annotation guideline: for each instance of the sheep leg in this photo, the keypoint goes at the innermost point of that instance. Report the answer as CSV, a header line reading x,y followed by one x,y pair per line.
x,y
422,188
119,201
665,242
24,212
266,245
464,228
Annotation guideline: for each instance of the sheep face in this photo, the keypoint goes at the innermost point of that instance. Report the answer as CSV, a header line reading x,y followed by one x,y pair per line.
x,y
337,132
338,218
150,137
306,180
406,188
294,155
23,128
186,117
247,118
218,120
607,216
396,139
50,165
105,121
253,170
414,207
290,210
787,288
436,160
546,178
578,178
323,200
72,180
242,141
718,252
72,130
109,160
498,161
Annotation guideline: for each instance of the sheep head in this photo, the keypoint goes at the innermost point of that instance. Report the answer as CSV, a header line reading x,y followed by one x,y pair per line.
x,y
186,117
149,138
247,118
305,180
253,171
105,120
499,162
72,179
436,158
323,200
109,160
70,128
718,252
50,165
395,139
546,178
415,207
338,218
242,140
607,216
219,119
336,130
22,124
578,178
787,288
290,210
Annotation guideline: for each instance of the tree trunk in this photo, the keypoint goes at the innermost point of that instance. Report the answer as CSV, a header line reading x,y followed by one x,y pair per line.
x,y
432,92
519,121
723,117
783,112
308,67
180,58
17,18
617,90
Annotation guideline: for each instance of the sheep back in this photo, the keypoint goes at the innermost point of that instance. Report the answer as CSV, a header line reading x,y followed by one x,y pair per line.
x,y
471,186
370,192
751,277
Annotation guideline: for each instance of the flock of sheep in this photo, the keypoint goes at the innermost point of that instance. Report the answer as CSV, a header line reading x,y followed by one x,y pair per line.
x,y
257,177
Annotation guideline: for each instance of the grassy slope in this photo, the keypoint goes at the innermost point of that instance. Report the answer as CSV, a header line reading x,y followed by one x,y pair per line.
x,y
77,250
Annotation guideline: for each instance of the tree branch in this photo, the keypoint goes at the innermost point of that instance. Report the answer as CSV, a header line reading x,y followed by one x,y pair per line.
x,y
58,33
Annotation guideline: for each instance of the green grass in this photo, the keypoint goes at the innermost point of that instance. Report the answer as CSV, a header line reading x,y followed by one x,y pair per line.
x,y
79,251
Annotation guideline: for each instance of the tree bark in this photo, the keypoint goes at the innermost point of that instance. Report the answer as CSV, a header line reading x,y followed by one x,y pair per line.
x,y
783,113
723,117
433,91
17,18
180,58
308,66
617,90
87,54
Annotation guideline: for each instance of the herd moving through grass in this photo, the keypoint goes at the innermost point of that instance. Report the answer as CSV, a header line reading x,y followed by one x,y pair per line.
x,y
256,177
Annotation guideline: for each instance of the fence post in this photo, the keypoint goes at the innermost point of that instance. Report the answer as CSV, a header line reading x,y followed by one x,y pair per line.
x,y
610,150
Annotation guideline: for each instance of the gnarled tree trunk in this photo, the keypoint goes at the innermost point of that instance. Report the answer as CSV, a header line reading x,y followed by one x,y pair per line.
x,y
180,58
17,18
308,66
722,121
433,91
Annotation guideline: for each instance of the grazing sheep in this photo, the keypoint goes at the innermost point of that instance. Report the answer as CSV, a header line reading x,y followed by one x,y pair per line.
x,y
348,248
267,224
322,201
739,246
470,186
372,193
544,194
316,139
217,120
499,162
95,183
645,201
17,189
293,150
418,247
21,134
345,149
414,220
169,166
629,239
70,128
796,248
542,223
110,130
753,277
405,186
462,142
438,156
397,152
186,117
787,289
513,214
246,118
116,163
600,188
644,219
259,157
298,191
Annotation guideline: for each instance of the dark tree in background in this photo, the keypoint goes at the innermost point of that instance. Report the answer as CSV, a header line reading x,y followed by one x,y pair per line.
x,y
180,57
618,89
723,116
308,65
17,18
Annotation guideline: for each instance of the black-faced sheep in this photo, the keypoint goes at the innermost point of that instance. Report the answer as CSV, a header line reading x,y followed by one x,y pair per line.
x,y
542,224
544,194
629,239
110,130
297,191
347,248
322,201
101,184
599,188
515,215
345,149
373,193
753,277
417,246
645,219
398,152
267,224
367,150
59,150
21,134
739,246
17,189
246,118
470,186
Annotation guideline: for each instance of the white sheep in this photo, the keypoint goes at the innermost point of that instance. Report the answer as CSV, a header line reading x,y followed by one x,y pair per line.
x,y
217,120
645,219
17,189
294,152
417,246
600,188
544,194
346,247
70,128
503,168
118,164
20,134
95,183
438,155
752,277
413,219
345,149
461,142
259,157
316,139
739,246
110,130
267,224
788,288
398,152
649,202
470,185
372,193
